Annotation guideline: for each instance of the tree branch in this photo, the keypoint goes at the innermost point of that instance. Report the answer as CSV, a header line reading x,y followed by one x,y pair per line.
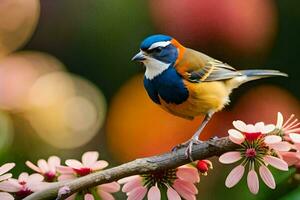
x,y
175,159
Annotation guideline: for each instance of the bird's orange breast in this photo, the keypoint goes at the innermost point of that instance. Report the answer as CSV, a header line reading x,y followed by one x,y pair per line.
x,y
203,98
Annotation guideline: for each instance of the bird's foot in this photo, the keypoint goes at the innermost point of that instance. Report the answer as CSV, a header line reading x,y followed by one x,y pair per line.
x,y
188,150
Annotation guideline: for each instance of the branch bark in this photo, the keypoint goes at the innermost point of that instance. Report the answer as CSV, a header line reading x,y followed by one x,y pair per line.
x,y
204,150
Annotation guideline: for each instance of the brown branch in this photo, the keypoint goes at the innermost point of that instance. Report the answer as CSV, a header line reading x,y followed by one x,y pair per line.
x,y
203,150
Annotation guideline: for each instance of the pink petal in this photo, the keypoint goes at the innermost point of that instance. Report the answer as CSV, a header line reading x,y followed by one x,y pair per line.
x,y
6,196
35,178
137,194
240,125
37,186
189,174
268,128
259,126
186,194
252,181
236,136
43,165
5,176
295,137
53,162
101,164
33,167
281,146
9,186
105,195
290,157
172,194
23,177
267,177
279,120
131,185
230,157
89,158
74,164
154,193
110,187
250,128
88,197
65,177
64,170
271,139
186,186
235,176
127,179
276,162
6,167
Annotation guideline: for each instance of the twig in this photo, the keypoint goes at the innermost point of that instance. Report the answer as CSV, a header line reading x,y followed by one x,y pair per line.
x,y
200,151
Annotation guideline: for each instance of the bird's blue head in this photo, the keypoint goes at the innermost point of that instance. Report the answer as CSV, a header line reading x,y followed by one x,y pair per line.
x,y
157,53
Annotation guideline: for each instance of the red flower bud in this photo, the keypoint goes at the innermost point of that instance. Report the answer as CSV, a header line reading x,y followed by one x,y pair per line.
x,y
203,166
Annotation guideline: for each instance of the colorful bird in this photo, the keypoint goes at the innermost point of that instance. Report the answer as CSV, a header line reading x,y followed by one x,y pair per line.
x,y
188,83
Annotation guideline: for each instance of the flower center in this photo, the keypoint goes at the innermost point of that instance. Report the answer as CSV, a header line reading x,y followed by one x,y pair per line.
x,y
24,192
252,136
49,176
160,177
250,153
83,171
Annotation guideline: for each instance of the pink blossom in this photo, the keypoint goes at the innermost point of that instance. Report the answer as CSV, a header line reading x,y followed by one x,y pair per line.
x,y
46,168
4,176
24,185
89,164
180,182
257,146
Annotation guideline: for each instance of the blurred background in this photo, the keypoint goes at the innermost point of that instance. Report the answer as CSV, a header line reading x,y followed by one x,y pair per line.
x,y
67,84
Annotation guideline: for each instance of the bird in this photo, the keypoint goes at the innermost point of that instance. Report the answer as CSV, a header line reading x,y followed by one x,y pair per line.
x,y
188,83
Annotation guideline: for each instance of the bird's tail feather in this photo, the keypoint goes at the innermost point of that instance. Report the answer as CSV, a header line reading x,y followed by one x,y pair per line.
x,y
254,74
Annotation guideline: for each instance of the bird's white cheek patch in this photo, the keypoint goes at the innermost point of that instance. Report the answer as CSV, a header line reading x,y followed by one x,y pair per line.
x,y
154,67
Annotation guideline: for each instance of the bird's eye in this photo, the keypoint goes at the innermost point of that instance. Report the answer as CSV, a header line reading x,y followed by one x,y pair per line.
x,y
156,50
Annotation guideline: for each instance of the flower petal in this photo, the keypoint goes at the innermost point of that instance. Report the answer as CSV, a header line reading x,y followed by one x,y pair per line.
x,y
252,181
131,185
290,157
250,128
89,158
279,120
240,125
271,139
6,167
88,197
186,186
267,177
137,194
183,191
35,178
23,177
295,137
230,157
172,194
236,136
64,170
276,162
43,165
65,177
154,193
127,179
10,186
235,176
5,176
74,163
6,196
281,146
100,164
105,195
189,174
259,126
268,128
53,162
33,167
110,187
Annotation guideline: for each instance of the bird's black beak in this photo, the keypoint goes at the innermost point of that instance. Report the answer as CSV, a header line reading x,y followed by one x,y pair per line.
x,y
139,57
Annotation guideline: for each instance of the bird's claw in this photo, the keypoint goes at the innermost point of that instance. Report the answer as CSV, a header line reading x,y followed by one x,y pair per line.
x,y
188,150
